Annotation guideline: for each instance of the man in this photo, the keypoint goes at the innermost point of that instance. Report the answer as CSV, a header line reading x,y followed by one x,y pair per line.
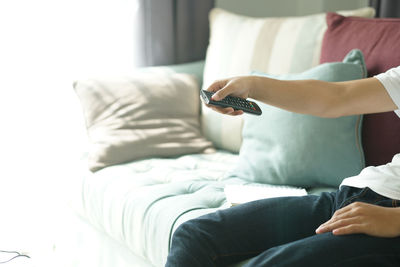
x,y
359,225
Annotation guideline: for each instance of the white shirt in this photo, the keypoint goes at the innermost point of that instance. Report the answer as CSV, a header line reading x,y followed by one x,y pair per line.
x,y
384,179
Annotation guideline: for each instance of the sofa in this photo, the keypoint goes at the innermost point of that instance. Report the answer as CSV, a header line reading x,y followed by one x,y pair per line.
x,y
131,194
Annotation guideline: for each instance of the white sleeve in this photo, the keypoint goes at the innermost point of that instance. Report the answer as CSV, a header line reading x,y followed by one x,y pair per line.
x,y
391,82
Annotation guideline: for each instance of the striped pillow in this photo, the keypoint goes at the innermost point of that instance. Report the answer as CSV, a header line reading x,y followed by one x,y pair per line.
x,y
240,44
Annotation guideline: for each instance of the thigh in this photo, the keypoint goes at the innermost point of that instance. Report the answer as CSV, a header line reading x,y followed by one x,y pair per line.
x,y
330,250
249,229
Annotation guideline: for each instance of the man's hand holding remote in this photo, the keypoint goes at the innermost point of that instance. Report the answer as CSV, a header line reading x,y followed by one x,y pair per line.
x,y
236,86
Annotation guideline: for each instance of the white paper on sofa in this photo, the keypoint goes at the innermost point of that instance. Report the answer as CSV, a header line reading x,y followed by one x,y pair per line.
x,y
238,194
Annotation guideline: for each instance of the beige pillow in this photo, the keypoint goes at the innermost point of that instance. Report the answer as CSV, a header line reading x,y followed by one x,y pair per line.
x,y
139,116
241,44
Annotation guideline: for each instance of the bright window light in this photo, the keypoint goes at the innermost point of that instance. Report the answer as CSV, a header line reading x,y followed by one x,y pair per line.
x,y
45,45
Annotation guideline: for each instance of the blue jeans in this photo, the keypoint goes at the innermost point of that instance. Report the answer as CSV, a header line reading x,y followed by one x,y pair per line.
x,y
281,232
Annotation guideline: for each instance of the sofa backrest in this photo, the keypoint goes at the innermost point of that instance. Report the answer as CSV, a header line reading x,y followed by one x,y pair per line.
x,y
378,39
274,45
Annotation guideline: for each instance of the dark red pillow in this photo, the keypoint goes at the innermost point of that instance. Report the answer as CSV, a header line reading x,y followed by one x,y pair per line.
x,y
379,40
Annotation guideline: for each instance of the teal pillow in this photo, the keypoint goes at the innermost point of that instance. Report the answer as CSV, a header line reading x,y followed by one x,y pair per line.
x,y
286,148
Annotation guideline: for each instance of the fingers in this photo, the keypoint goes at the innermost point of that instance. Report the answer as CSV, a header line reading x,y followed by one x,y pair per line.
x,y
217,85
220,89
344,210
219,95
226,111
349,229
334,224
344,213
343,220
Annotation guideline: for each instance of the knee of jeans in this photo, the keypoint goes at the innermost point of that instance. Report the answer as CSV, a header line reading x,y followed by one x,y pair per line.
x,y
186,231
190,245
192,233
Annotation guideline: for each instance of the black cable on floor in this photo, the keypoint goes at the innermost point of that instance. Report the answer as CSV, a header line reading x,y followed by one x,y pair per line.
x,y
13,252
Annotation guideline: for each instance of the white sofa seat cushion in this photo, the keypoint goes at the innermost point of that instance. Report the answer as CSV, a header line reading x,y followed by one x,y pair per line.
x,y
139,203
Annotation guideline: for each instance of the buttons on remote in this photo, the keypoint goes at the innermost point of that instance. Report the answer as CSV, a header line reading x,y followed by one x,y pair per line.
x,y
231,101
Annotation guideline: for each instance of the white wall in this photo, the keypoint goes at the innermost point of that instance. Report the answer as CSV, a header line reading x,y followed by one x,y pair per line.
x,y
262,8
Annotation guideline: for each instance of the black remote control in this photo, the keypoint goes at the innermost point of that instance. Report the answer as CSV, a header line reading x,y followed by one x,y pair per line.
x,y
236,103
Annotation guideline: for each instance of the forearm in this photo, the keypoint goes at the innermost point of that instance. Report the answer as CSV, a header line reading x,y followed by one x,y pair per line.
x,y
311,97
323,99
397,219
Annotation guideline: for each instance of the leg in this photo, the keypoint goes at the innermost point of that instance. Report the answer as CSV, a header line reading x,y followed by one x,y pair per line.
x,y
244,231
333,251
339,251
